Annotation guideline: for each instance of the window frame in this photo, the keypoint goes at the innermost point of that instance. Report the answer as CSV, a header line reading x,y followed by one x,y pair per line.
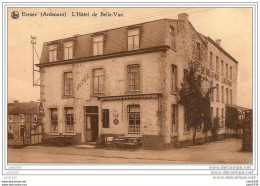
x,y
53,52
54,123
226,70
67,48
132,37
69,120
175,119
137,130
222,67
222,94
217,64
173,37
70,85
136,81
174,78
99,77
98,44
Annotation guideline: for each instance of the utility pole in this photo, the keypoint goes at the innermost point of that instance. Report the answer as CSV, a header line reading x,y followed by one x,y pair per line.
x,y
33,42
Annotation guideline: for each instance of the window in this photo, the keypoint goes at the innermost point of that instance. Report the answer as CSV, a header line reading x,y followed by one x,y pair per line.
x,y
10,118
69,119
217,93
217,110
174,78
217,64
172,32
231,97
105,118
186,125
52,53
222,67
222,116
211,113
21,118
10,128
174,118
226,95
98,81
133,39
98,45
211,60
21,130
226,70
198,51
134,78
230,73
68,50
212,91
34,118
185,79
222,94
54,119
134,119
68,81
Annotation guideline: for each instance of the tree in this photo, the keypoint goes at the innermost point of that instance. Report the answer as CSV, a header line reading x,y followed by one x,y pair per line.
x,y
216,128
195,101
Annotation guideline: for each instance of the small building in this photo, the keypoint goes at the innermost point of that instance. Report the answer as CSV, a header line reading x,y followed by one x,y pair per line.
x,y
22,117
124,82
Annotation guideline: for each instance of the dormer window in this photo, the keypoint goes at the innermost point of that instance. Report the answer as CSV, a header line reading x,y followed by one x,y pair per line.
x,y
133,39
98,45
52,52
21,117
68,50
10,118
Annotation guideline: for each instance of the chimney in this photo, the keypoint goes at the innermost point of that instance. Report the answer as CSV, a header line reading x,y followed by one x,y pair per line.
x,y
183,17
218,41
16,101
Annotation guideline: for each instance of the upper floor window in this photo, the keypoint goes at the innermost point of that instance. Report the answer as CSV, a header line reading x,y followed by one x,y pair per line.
x,y
222,67
231,97
212,92
98,45
198,51
222,116
98,81
133,78
10,118
231,73
133,39
217,93
172,32
174,78
222,94
52,52
226,70
54,119
68,84
68,50
133,119
226,95
21,118
217,64
211,60
185,78
69,119
217,110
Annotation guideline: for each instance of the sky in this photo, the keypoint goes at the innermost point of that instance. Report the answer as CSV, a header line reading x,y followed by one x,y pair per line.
x,y
232,25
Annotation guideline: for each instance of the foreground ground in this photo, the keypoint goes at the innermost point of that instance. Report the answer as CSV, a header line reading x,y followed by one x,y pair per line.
x,y
226,151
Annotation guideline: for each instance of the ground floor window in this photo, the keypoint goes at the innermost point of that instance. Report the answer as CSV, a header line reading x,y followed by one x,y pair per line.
x,y
54,120
21,130
69,117
174,118
10,128
133,119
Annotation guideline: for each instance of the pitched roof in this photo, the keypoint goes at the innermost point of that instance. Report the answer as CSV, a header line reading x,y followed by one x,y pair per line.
x,y
23,108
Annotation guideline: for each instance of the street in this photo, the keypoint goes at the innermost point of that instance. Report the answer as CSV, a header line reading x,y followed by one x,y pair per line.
x,y
226,151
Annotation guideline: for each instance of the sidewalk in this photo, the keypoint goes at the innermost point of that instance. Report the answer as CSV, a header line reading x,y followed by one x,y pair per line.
x,y
227,151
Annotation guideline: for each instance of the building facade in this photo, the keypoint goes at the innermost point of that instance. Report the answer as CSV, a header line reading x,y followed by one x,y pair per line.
x,y
22,117
124,82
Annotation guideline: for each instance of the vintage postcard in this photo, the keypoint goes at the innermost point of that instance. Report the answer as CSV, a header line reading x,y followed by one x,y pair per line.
x,y
102,85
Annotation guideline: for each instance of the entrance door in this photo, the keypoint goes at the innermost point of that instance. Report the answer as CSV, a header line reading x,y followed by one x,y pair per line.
x,y
91,123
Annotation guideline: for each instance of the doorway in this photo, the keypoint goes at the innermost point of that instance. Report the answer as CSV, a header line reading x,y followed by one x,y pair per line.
x,y
91,123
